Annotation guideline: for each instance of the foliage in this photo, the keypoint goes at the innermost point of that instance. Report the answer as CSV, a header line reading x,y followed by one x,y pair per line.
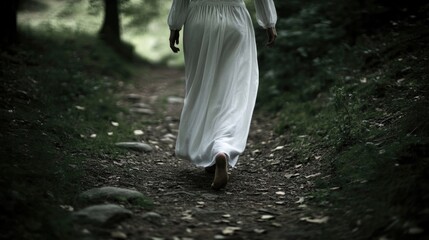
x,y
141,12
359,99
310,31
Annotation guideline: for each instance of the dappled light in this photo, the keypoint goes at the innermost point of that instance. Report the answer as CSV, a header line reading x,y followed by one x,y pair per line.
x,y
146,31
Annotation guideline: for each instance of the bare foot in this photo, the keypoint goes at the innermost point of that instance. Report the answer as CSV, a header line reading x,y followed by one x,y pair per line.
x,y
221,172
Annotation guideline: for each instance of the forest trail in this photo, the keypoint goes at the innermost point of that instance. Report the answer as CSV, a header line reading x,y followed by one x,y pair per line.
x,y
266,197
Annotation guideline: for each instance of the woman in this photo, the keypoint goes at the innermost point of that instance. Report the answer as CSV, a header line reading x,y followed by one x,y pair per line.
x,y
221,71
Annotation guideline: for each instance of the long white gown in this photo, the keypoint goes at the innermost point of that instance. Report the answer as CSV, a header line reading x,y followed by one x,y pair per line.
x,y
221,71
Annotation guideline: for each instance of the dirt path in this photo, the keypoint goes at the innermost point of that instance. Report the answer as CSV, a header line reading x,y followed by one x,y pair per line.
x,y
265,198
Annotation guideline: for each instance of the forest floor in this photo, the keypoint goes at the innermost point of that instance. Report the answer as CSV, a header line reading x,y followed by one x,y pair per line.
x,y
265,198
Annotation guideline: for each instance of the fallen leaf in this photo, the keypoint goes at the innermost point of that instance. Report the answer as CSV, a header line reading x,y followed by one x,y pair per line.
x,y
313,175
290,175
281,193
267,217
315,220
118,235
138,132
415,230
218,237
300,200
278,148
259,231
298,165
400,80
187,215
67,207
226,215
276,224
230,230
117,163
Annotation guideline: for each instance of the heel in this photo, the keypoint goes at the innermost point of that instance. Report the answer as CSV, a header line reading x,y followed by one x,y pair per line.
x,y
221,173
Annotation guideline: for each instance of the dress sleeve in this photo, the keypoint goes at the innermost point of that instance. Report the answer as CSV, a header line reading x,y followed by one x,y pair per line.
x,y
266,14
178,13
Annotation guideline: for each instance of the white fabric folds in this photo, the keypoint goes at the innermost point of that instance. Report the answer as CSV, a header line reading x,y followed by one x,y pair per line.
x,y
221,71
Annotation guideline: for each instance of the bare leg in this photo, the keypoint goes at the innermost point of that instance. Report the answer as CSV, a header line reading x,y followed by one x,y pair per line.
x,y
221,173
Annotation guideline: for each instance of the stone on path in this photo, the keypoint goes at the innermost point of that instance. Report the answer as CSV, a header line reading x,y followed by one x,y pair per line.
x,y
144,111
168,138
141,105
136,146
105,214
133,97
153,217
111,193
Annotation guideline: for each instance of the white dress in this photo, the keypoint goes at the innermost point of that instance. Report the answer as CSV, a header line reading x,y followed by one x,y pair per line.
x,y
221,71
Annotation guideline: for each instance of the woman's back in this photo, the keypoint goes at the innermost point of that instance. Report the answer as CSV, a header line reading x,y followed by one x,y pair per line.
x,y
221,80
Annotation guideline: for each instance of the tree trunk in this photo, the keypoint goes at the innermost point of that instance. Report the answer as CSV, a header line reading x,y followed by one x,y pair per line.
x,y
8,22
110,31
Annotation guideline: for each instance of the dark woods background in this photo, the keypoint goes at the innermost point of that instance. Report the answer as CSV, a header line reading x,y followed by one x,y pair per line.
x,y
312,33
141,13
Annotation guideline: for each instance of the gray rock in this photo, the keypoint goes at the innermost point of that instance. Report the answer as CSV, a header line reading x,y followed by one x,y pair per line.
x,y
111,193
153,217
136,146
133,97
144,111
140,105
106,214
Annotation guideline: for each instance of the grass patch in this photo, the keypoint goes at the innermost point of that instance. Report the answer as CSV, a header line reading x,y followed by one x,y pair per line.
x,y
368,124
57,89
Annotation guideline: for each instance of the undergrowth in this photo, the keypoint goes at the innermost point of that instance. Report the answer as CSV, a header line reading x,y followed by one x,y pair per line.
x,y
57,104
368,125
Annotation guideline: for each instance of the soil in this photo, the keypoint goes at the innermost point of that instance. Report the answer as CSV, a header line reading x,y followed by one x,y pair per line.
x,y
265,197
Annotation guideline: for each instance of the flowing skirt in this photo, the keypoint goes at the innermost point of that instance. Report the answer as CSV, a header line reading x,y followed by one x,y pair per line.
x,y
221,71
